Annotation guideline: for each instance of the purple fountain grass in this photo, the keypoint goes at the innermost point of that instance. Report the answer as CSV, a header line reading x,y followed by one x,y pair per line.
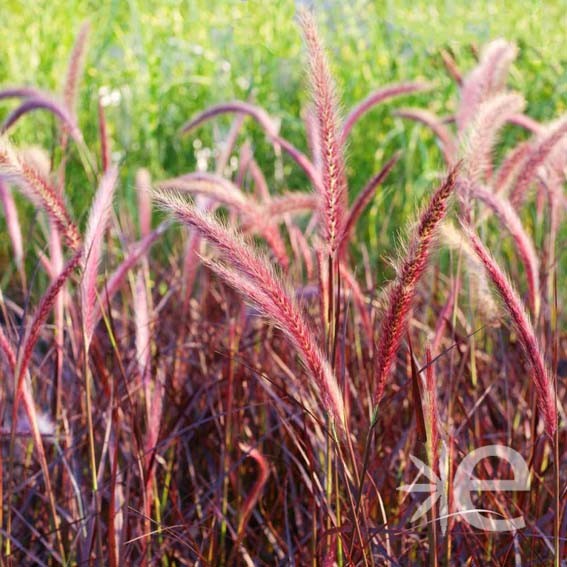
x,y
268,125
221,190
19,367
46,264
193,242
75,69
445,316
252,275
454,239
44,100
333,195
480,136
510,167
255,112
524,244
156,412
72,79
376,98
313,136
248,163
526,122
35,99
359,300
34,327
261,218
142,326
276,303
35,425
39,159
290,202
38,189
451,66
483,109
323,279
555,173
522,324
302,249
43,103
431,411
118,277
402,291
257,488
144,194
434,123
8,350
228,144
57,263
541,150
154,401
274,240
22,92
244,157
363,199
270,213
485,80
190,266
13,227
96,226
214,187
311,357
553,179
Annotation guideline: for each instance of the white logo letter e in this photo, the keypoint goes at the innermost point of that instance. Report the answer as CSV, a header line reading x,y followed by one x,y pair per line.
x,y
465,483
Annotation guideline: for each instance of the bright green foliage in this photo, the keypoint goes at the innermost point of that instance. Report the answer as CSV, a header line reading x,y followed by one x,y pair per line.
x,y
158,63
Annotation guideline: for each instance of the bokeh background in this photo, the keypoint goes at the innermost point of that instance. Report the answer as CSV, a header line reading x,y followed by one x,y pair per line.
x,y
155,64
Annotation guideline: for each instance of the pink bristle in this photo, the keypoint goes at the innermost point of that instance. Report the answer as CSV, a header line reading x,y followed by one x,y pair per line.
x,y
333,192
401,294
525,330
96,226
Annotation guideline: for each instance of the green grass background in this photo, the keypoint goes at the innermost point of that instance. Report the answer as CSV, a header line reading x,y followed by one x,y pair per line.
x,y
164,61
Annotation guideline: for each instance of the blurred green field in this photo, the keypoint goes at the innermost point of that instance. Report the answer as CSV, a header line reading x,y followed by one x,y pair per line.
x,y
157,63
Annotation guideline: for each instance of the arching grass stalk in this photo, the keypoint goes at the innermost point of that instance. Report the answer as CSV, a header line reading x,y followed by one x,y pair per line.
x,y
400,300
540,373
332,202
252,275
559,510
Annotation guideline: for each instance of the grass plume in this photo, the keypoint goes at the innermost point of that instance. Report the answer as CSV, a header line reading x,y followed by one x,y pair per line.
x,y
523,326
333,196
251,275
96,226
402,292
13,169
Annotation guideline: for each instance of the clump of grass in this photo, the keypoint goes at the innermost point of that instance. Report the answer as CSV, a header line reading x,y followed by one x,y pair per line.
x,y
191,426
